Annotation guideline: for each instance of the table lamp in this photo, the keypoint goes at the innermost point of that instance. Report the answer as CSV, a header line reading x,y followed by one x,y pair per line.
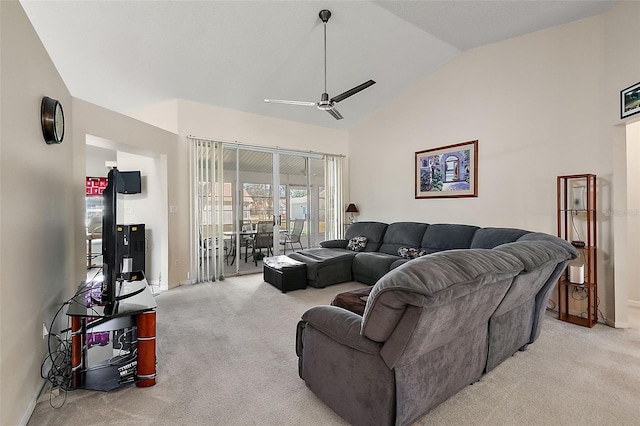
x,y
352,209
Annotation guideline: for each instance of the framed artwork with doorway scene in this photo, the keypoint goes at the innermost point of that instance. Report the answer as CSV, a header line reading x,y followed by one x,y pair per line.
x,y
447,172
630,101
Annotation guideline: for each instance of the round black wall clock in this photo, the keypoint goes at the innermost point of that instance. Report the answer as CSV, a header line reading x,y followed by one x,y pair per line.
x,y
52,119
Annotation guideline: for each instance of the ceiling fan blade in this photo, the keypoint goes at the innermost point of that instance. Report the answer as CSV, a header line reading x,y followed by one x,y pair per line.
x,y
334,112
281,101
351,92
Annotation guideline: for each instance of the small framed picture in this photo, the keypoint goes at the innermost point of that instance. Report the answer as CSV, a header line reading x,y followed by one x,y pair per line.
x,y
448,171
630,101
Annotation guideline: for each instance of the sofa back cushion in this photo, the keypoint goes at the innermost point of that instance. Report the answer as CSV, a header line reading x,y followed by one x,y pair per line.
x,y
442,236
540,258
434,280
540,236
374,231
402,234
489,238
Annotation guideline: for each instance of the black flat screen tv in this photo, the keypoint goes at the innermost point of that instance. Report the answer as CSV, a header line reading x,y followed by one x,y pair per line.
x,y
129,183
117,183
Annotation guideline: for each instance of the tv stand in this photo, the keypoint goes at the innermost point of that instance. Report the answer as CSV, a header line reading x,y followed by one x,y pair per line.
x,y
135,312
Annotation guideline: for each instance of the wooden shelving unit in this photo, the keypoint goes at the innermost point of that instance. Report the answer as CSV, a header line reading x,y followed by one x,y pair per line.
x,y
577,224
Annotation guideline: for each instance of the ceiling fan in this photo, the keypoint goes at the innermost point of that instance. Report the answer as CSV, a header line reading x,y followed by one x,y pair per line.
x,y
325,103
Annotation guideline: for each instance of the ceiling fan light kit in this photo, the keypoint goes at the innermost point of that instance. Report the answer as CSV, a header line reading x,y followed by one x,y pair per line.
x,y
326,103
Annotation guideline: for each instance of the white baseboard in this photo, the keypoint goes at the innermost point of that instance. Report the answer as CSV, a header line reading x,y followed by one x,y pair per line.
x,y
633,315
634,304
32,405
620,324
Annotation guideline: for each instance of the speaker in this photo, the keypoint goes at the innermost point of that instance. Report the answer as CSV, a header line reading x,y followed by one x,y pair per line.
x,y
576,273
579,197
131,248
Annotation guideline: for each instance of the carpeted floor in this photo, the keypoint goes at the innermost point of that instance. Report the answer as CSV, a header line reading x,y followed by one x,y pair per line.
x,y
226,357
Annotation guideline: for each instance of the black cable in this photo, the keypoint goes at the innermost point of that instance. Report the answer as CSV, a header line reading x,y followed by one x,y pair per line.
x,y
553,308
579,293
60,373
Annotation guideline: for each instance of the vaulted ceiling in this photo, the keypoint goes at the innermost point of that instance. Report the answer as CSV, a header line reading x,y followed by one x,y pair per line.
x,y
125,55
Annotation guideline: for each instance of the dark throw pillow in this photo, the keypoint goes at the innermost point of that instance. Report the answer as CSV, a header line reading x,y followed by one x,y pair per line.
x,y
357,243
408,252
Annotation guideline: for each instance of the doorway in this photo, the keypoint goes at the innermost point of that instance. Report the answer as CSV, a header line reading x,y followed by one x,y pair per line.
x,y
145,208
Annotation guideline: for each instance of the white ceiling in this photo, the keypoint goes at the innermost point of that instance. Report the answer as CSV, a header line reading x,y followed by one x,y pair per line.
x,y
125,55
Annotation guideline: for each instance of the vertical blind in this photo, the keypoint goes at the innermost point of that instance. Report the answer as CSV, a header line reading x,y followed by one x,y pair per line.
x,y
334,201
207,252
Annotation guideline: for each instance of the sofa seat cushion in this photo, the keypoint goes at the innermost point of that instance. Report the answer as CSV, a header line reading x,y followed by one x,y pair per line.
x,y
369,267
326,266
398,262
324,254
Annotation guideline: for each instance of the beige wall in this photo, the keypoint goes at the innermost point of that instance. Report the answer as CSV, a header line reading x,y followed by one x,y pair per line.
x,y
130,136
42,249
211,122
40,212
541,105
163,115
632,211
207,121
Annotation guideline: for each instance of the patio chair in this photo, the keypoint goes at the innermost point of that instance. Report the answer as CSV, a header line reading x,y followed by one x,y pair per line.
x,y
263,239
293,236
94,233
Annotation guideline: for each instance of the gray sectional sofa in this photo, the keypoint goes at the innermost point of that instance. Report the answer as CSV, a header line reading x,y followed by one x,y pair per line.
x,y
432,324
333,263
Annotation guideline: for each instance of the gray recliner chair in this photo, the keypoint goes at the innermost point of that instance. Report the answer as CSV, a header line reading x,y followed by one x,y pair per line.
x,y
422,338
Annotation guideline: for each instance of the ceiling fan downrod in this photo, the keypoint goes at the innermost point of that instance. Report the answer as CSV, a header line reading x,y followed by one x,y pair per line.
x,y
324,17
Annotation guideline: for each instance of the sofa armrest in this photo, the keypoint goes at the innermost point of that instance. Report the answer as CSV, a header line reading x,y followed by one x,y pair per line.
x,y
340,325
334,244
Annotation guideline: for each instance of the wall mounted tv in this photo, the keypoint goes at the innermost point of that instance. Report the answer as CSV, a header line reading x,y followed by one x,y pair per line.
x,y
117,183
129,183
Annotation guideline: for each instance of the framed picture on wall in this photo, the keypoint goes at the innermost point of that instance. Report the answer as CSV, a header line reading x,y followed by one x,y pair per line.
x,y
630,101
448,171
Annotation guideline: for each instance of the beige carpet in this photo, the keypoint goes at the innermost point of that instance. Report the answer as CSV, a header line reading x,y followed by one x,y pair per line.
x,y
226,357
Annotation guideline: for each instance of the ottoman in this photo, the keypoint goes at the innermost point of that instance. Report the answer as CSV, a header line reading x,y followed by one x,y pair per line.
x,y
285,273
354,300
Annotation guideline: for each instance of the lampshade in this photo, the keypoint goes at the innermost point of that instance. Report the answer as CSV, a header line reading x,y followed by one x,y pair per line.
x,y
352,208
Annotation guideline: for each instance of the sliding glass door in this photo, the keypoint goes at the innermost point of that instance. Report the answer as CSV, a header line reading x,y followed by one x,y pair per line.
x,y
250,226
294,210
303,177
276,187
252,202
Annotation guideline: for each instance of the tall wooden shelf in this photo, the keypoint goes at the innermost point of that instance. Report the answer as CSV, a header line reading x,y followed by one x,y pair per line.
x,y
577,224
